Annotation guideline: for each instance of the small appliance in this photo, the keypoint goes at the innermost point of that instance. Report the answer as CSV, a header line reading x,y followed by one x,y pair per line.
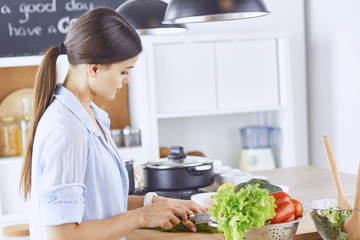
x,y
258,143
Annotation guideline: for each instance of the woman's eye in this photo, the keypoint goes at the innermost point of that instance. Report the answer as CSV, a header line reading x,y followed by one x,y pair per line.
x,y
124,73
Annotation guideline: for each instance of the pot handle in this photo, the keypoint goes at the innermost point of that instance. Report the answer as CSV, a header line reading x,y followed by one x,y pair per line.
x,y
203,168
177,154
198,170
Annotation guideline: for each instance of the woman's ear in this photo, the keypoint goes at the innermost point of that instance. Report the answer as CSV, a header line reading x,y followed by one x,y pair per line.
x,y
92,69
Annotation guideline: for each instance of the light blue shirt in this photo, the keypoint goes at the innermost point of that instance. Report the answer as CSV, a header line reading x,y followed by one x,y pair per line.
x,y
76,176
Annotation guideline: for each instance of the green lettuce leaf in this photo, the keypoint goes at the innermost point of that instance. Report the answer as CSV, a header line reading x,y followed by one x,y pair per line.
x,y
330,222
237,212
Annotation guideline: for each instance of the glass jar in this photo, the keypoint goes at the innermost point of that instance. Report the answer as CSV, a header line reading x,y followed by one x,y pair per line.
x,y
10,137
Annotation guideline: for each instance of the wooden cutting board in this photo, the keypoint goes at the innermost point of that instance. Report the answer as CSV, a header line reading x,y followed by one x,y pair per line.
x,y
13,79
18,230
12,105
155,234
303,233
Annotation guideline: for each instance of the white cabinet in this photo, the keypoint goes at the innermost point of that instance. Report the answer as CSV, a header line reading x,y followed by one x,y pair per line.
x,y
202,75
185,77
247,74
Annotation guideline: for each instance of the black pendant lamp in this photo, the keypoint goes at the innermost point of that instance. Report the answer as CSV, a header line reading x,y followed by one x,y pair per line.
x,y
191,11
145,16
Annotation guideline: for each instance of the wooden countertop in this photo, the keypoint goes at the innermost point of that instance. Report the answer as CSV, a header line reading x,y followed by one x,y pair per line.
x,y
305,182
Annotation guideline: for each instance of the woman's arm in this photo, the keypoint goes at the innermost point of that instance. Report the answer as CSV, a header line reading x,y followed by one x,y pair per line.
x,y
111,228
138,201
162,213
135,202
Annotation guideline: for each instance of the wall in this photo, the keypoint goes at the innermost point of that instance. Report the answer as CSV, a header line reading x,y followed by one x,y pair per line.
x,y
286,17
333,80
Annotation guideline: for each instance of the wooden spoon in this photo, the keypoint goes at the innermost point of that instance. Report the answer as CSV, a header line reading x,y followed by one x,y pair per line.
x,y
343,203
352,224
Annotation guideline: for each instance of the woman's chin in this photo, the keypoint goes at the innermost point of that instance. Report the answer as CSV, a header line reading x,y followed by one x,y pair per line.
x,y
108,97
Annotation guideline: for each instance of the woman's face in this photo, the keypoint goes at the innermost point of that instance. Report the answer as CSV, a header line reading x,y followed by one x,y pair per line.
x,y
110,79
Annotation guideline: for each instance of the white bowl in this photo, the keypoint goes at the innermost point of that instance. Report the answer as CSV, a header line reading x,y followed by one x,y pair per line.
x,y
204,199
284,188
235,176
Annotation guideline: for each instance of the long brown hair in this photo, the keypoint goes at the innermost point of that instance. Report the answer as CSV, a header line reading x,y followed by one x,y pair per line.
x,y
100,36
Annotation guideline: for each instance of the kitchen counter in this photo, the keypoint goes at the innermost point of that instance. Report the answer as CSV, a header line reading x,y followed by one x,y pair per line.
x,y
305,182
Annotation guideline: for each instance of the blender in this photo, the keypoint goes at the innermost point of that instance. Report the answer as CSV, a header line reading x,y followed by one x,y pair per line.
x,y
258,143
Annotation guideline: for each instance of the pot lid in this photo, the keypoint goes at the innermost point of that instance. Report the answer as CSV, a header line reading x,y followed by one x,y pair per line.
x,y
129,160
178,159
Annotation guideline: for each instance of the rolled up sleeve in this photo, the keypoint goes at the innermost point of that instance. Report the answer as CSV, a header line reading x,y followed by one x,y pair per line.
x,y
62,189
62,204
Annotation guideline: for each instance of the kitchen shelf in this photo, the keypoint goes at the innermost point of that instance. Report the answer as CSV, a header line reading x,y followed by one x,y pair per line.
x,y
216,113
125,151
20,61
129,149
138,153
10,160
15,217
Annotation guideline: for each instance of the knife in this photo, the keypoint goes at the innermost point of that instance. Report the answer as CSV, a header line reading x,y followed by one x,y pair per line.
x,y
202,218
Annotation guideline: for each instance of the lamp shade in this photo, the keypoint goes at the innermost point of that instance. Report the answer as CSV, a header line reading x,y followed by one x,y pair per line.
x,y
145,16
190,11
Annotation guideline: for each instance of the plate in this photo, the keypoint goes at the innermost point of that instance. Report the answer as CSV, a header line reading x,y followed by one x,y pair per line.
x,y
12,105
204,199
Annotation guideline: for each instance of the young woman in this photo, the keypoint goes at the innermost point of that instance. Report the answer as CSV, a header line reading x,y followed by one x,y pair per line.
x,y
77,180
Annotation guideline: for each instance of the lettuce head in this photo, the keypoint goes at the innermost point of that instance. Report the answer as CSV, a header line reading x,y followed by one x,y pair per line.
x,y
237,212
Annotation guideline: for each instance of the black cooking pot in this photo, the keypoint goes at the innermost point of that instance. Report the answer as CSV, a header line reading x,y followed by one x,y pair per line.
x,y
129,164
178,172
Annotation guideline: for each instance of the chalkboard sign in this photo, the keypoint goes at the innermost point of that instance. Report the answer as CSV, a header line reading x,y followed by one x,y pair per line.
x,y
30,27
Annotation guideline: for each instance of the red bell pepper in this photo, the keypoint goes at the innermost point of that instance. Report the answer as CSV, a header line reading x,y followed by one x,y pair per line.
x,y
292,218
284,211
287,209
281,197
298,208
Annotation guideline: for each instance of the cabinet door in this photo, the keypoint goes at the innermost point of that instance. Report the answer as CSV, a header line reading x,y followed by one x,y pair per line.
x,y
247,74
185,77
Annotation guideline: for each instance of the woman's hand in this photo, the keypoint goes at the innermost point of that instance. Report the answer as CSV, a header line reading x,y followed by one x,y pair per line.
x,y
193,206
164,211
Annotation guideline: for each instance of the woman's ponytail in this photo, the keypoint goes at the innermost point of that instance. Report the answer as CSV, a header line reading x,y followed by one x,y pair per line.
x,y
44,86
